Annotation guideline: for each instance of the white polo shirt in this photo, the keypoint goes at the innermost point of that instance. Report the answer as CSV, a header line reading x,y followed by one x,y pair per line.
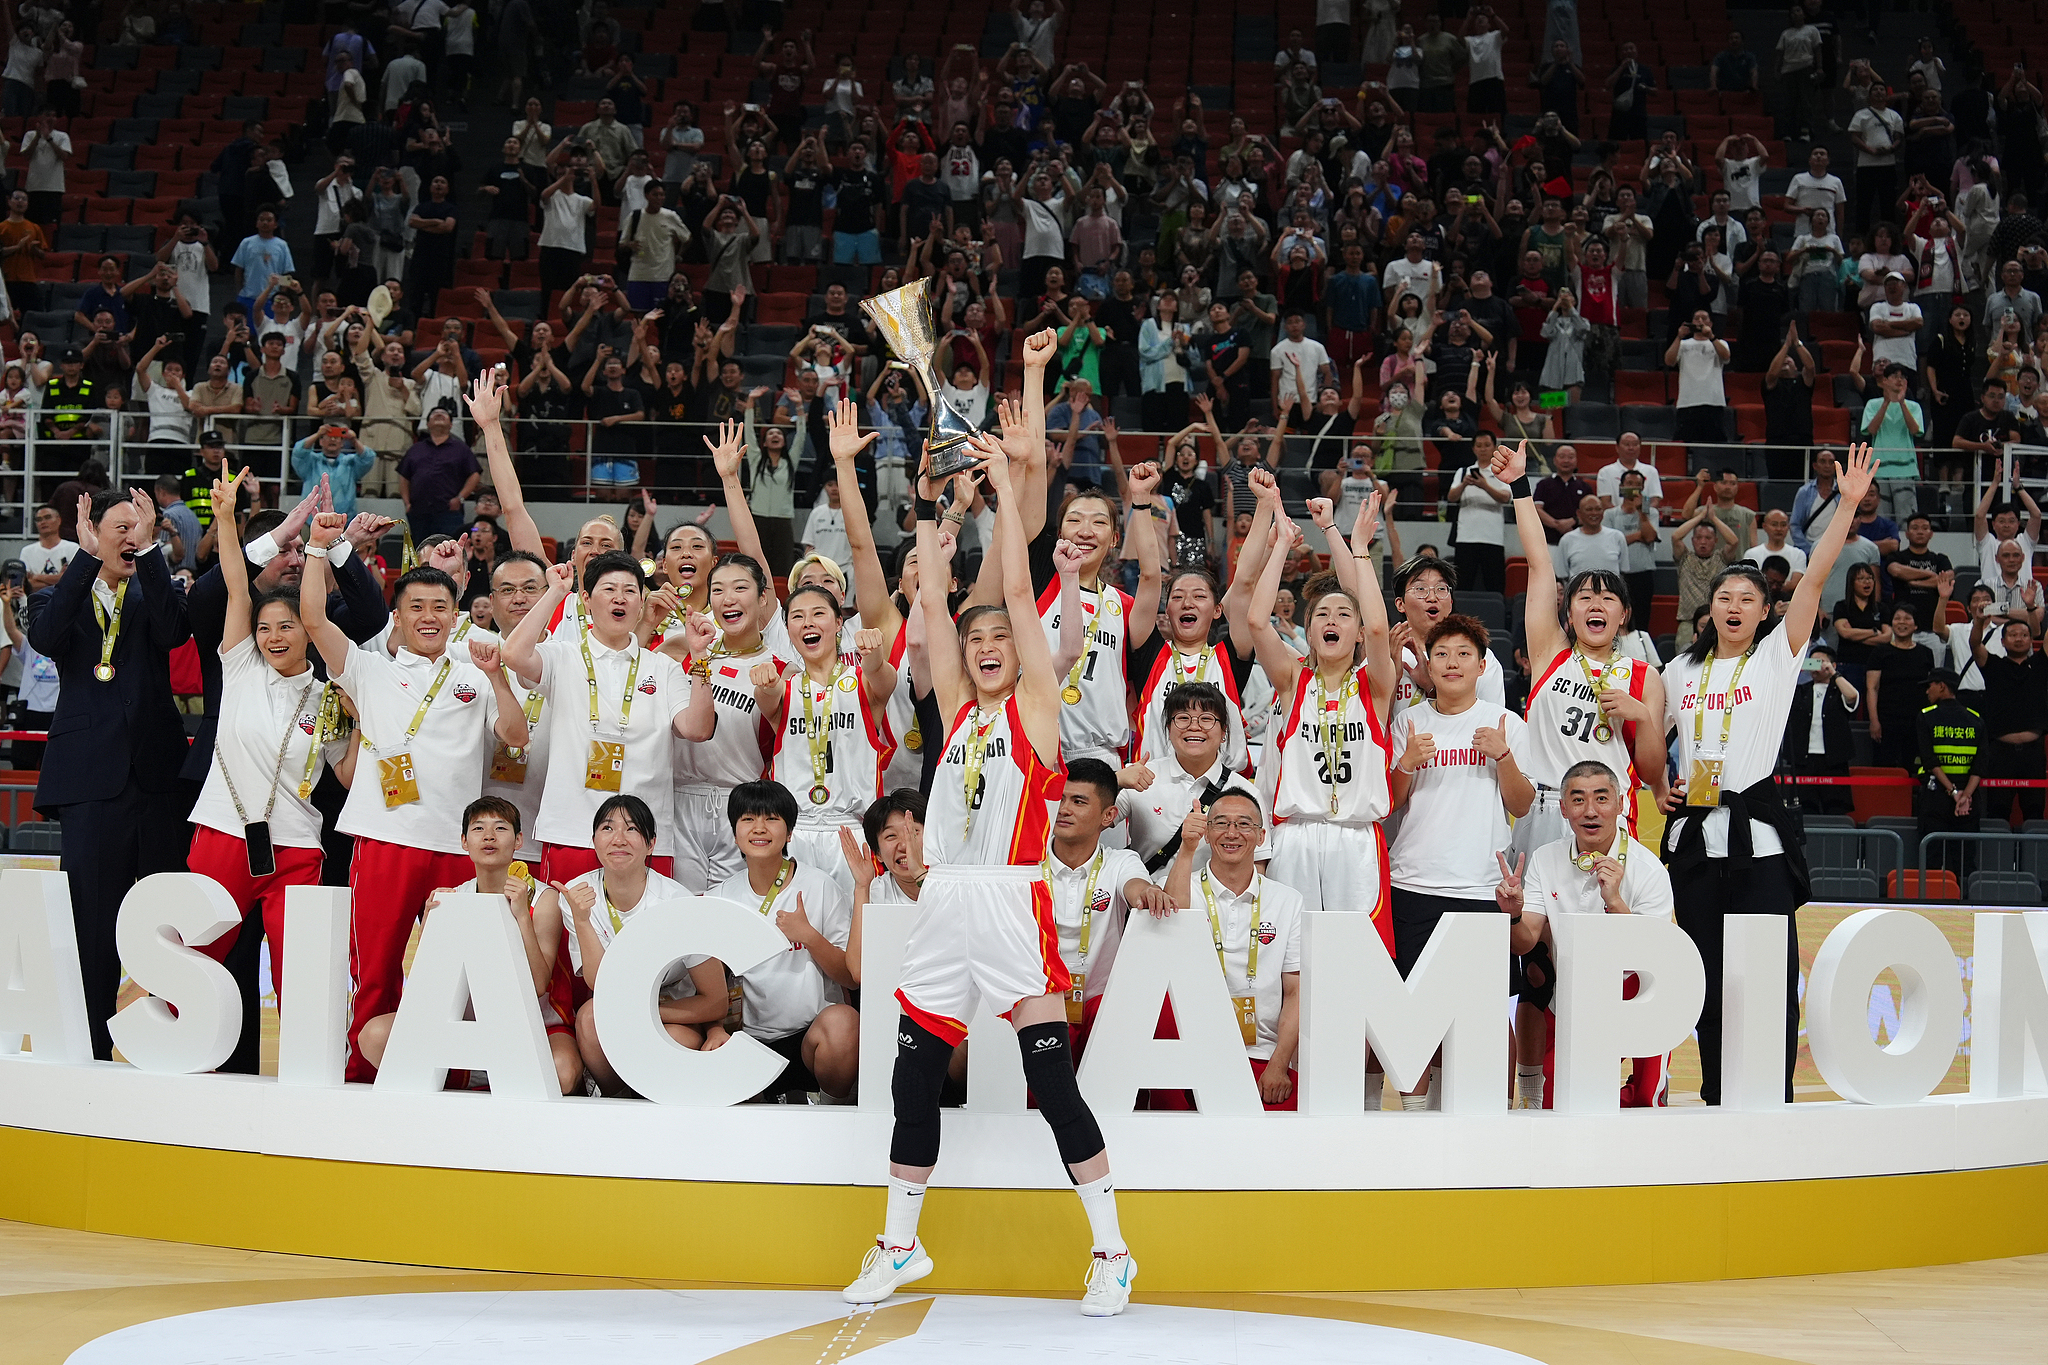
x,y
259,709
784,994
1154,815
657,893
449,753
1279,931
1554,885
1105,911
1607,482
660,692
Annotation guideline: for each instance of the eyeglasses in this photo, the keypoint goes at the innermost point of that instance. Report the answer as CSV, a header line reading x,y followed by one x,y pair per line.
x,y
1241,825
1428,590
1196,720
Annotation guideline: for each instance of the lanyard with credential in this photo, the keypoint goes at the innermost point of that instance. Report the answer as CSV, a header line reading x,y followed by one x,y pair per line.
x,y
110,630
1699,715
1251,961
590,676
419,717
1087,895
782,876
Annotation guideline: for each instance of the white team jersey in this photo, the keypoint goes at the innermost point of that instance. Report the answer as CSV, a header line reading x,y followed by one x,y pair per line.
x,y
736,751
1101,719
1105,911
1210,664
1762,703
1564,714
906,762
1011,806
1455,820
1303,781
857,746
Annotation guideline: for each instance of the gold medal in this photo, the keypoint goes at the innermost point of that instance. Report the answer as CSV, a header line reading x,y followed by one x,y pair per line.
x,y
1584,861
519,870
914,741
1603,732
105,673
820,794
647,567
1070,694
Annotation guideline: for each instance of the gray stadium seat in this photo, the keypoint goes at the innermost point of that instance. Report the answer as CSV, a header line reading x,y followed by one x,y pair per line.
x,y
1828,821
2004,888
165,103
138,241
1852,884
1592,422
81,237
1650,422
110,156
36,836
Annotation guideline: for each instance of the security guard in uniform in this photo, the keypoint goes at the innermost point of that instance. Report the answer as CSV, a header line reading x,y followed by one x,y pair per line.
x,y
1950,766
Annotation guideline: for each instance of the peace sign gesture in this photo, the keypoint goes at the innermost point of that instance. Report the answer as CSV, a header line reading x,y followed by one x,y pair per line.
x,y
1508,894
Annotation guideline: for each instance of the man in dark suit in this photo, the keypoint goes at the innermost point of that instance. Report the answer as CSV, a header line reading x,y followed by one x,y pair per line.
x,y
1827,752
274,545
110,773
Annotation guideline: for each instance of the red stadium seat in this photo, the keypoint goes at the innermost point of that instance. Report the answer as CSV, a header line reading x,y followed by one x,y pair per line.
x,y
1637,386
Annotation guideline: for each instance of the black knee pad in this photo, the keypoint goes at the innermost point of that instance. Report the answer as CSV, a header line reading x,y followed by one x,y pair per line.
x,y
921,1060
1536,962
1049,1071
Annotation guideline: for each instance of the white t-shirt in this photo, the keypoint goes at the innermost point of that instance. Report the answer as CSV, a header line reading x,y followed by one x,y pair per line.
x,y
42,559
1420,277
1455,821
1742,178
1808,193
658,891
1105,912
327,217
1154,815
193,281
1964,661
1894,350
561,219
1817,263
1555,885
1943,256
1757,730
1605,548
1798,47
1279,930
660,693
656,240
168,418
1733,233
1792,554
1987,557
447,756
258,709
45,166
969,403
1699,374
24,61
825,533
1406,694
1482,52
784,994
1044,226
1479,515
1607,483
1306,358
1881,128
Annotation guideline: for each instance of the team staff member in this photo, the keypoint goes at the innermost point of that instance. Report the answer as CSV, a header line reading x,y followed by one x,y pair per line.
x,y
888,869
796,1002
1950,748
430,721
1596,869
832,737
596,906
110,772
1186,656
1458,778
1425,592
1255,923
1729,841
1093,889
256,829
984,923
609,702
1156,797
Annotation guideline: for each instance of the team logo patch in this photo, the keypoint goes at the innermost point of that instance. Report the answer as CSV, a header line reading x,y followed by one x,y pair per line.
x,y
846,683
647,686
307,723
1101,901
464,693
1267,933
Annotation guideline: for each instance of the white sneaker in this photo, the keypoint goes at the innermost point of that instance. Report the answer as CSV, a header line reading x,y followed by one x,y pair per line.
x,y
1109,1284
885,1270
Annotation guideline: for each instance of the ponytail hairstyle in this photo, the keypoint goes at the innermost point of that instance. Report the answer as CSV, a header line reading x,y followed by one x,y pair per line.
x,y
1599,580
1703,641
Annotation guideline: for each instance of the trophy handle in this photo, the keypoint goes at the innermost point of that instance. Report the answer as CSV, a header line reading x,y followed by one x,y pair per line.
x,y
947,445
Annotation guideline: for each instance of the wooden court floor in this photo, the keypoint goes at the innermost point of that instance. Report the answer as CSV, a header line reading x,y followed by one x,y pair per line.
x,y
60,1289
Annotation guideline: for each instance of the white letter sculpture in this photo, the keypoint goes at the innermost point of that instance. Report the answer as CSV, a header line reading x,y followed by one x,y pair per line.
x,y
1838,1007
165,918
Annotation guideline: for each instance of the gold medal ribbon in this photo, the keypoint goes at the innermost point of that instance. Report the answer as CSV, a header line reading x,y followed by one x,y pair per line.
x,y
110,629
782,877
1332,712
820,737
1071,693
1699,715
975,754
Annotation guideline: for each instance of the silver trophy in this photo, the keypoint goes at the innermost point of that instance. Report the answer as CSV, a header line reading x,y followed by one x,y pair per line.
x,y
908,320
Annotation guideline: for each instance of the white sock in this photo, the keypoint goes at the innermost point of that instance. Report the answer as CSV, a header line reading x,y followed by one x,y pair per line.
x,y
1529,1083
1436,1087
1415,1103
1375,1090
1098,1201
906,1202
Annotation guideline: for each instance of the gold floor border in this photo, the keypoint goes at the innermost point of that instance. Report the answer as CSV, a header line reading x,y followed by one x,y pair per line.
x,y
1191,1241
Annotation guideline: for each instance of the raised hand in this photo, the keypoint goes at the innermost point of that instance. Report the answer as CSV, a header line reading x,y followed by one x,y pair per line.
x,y
1509,465
1039,348
1318,510
995,462
561,579
860,860
224,494
765,674
487,397
1134,777
1194,827
662,603
843,427
1607,873
294,521
725,454
1263,485
1419,754
449,556
1492,740
1144,481
483,653
1067,558
699,631
581,897
1857,474
647,501
1508,893
1367,524
794,924
867,642
518,895
326,529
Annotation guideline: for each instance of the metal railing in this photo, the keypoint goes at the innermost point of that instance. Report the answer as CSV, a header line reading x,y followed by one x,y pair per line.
x,y
2030,857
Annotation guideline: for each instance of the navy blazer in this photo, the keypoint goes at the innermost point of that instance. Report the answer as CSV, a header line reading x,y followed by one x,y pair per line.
x,y
105,732
357,607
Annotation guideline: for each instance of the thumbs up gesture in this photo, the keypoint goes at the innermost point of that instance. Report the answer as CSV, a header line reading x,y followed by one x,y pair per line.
x,y
1492,740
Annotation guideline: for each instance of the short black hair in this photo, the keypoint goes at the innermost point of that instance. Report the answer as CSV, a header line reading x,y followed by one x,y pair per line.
x,y
747,562
491,805
611,562
636,812
104,502
908,800
1194,696
760,798
1459,627
1590,767
1093,772
1407,573
168,483
522,557
425,576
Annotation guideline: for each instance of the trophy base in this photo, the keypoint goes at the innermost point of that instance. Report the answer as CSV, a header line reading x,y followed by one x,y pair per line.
x,y
945,460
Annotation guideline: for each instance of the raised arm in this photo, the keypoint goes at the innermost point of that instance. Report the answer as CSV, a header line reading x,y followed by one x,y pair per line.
x,y
725,458
1038,693
1274,654
870,582
1805,606
1251,562
486,405
1546,639
328,638
234,568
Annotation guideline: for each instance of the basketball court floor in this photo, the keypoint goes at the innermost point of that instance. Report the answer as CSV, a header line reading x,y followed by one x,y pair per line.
x,y
99,1300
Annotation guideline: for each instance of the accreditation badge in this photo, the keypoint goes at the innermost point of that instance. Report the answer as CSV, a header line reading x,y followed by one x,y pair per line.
x,y
606,768
1074,997
1247,1007
735,1004
509,767
395,777
1703,782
